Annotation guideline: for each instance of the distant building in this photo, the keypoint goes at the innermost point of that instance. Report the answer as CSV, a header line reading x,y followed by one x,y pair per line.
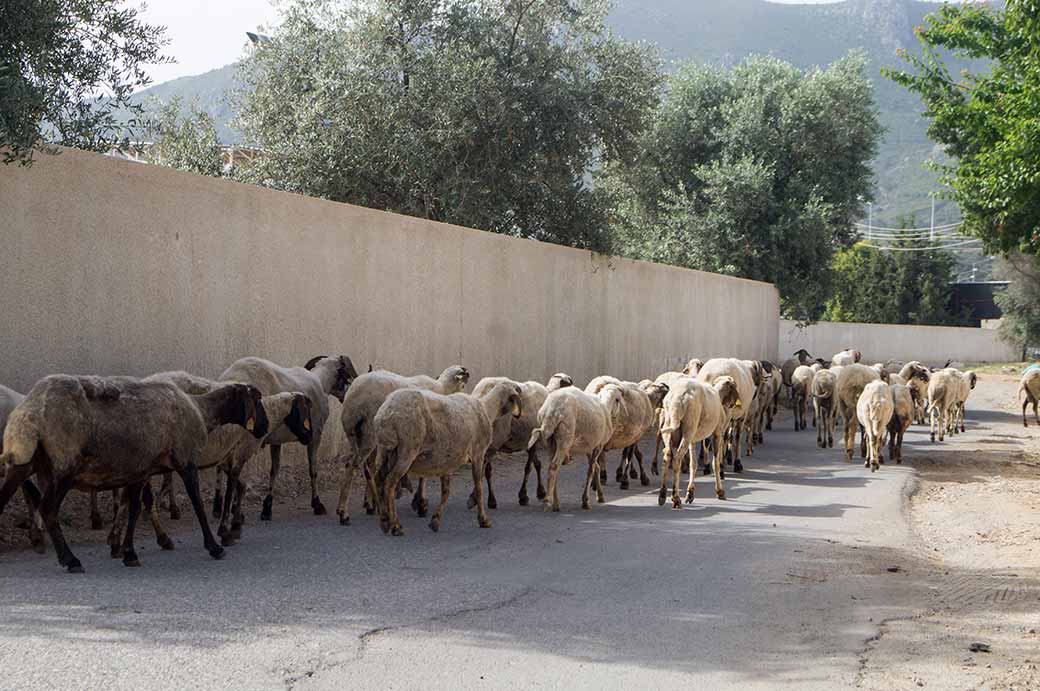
x,y
976,300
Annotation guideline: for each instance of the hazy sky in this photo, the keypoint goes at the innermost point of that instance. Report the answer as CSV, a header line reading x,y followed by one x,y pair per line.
x,y
206,34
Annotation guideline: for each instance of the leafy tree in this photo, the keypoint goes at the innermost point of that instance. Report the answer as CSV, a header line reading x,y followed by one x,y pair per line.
x,y
186,142
755,171
66,67
485,114
1020,302
987,121
892,287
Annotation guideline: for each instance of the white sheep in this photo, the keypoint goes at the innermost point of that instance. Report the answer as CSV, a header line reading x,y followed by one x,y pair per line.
x,y
852,380
916,376
432,435
846,357
902,416
741,374
943,390
874,412
801,389
823,386
362,401
320,378
693,412
572,422
967,384
1029,393
510,435
635,419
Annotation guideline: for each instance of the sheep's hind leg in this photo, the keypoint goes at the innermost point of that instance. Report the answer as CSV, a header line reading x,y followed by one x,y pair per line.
x,y
623,468
133,495
151,505
644,479
419,503
312,467
168,491
593,472
50,503
532,462
223,532
95,515
477,467
276,462
552,497
435,520
115,536
492,503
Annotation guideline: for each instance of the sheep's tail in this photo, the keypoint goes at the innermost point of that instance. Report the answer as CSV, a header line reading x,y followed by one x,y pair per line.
x,y
938,399
545,431
669,420
874,410
19,444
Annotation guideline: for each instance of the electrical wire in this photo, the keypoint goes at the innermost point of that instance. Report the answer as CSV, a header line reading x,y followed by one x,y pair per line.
x,y
945,226
927,249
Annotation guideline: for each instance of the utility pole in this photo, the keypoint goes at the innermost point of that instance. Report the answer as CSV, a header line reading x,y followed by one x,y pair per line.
x,y
931,232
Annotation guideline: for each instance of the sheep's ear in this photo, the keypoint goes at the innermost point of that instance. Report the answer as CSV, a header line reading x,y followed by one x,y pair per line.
x,y
313,361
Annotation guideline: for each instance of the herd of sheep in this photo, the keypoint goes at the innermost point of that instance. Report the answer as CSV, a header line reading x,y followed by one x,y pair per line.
x,y
119,433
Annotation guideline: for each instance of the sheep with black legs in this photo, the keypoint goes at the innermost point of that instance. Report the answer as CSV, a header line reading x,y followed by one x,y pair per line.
x,y
91,433
635,420
693,412
741,375
801,357
320,378
360,405
572,423
431,435
902,417
801,389
823,385
874,412
510,435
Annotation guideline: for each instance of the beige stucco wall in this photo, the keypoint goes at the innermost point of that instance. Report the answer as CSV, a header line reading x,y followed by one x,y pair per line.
x,y
116,267
883,342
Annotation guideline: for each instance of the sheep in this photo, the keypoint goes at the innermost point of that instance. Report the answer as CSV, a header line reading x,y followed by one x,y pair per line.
x,y
432,435
823,385
874,412
731,367
801,357
666,378
846,357
510,435
760,405
693,412
572,422
360,406
228,448
9,400
882,372
756,406
82,432
801,389
852,379
902,416
967,384
943,390
634,421
915,375
776,383
1029,393
693,367
320,378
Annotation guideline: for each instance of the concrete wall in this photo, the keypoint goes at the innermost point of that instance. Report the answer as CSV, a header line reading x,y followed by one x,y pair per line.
x,y
883,342
115,267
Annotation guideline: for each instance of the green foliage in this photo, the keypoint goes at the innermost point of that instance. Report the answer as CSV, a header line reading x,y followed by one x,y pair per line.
x,y
892,287
755,171
987,121
1020,301
66,67
186,142
482,114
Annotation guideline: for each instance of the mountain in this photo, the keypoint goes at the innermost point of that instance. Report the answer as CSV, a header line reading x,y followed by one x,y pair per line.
x,y
725,33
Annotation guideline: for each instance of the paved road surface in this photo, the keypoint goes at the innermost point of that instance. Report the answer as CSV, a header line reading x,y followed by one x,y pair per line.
x,y
783,582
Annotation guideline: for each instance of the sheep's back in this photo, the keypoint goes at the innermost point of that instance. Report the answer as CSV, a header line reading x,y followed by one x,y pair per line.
x,y
720,367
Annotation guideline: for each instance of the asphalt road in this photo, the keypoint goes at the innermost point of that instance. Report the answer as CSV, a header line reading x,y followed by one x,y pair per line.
x,y
783,582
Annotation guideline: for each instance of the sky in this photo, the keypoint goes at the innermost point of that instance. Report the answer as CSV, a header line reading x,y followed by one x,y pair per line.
x,y
207,34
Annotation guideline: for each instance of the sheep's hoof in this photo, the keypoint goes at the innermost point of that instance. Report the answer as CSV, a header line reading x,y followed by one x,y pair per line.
x,y
721,494
435,524
603,477
164,542
546,507
600,499
769,426
523,499
397,531
74,566
319,508
632,474
486,523
556,509
933,436
471,501
618,475
541,493
654,469
738,467
95,522
175,513
689,497
585,504
644,480
236,531
265,510
384,523
130,559
370,510
624,484
344,519
676,503
39,546
115,551
217,553
492,503
227,540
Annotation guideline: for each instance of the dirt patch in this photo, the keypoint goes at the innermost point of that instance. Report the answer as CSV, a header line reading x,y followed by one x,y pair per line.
x,y
976,517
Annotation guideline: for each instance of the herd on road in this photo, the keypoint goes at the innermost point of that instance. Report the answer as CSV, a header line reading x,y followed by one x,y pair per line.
x,y
93,433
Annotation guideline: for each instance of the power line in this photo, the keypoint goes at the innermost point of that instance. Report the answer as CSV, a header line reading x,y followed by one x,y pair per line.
x,y
928,249
945,226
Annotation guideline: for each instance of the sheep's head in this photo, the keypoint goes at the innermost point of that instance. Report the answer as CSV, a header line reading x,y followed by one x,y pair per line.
x,y
918,371
242,406
767,366
345,373
299,419
727,390
857,356
757,373
559,381
693,367
656,392
972,379
822,363
454,379
803,356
